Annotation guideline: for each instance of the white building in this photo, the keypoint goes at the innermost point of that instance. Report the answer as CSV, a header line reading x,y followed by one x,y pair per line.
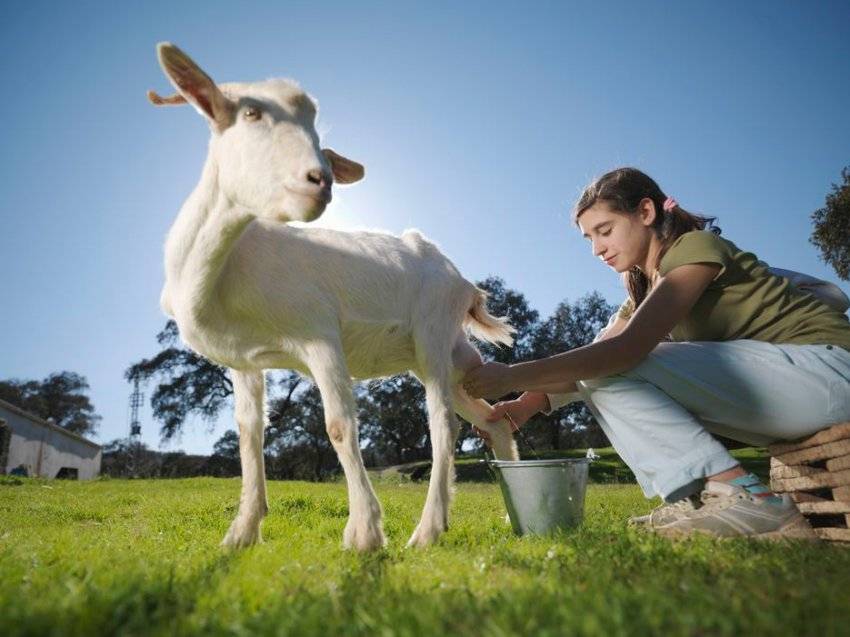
x,y
36,447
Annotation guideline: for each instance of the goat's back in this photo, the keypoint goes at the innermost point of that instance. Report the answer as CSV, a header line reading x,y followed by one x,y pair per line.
x,y
365,276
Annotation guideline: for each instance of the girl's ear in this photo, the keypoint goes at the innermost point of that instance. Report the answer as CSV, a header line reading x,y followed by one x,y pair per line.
x,y
647,211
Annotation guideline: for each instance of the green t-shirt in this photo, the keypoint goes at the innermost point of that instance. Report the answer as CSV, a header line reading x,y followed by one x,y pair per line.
x,y
746,301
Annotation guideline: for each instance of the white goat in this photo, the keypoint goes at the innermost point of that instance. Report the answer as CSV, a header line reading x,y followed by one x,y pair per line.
x,y
252,293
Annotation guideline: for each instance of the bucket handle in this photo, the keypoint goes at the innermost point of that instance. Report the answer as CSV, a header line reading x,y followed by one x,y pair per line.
x,y
487,461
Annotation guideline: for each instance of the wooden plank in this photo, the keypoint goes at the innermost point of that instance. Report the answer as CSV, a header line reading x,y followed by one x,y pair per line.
x,y
793,471
823,508
841,494
834,535
836,432
819,481
821,452
838,464
802,496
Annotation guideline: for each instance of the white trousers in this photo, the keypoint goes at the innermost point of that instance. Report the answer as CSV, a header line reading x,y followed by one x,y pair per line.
x,y
660,415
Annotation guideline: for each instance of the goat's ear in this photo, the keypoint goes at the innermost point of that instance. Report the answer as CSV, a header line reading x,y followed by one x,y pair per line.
x,y
345,170
196,86
172,100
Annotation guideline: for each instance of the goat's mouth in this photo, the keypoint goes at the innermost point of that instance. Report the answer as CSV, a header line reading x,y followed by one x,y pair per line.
x,y
320,196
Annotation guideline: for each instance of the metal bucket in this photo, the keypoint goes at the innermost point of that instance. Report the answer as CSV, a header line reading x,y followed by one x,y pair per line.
x,y
543,496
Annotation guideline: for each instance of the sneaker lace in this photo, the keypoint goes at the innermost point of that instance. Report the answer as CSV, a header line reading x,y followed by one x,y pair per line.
x,y
685,504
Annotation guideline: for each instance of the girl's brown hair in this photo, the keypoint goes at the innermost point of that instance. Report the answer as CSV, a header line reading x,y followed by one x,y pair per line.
x,y
623,189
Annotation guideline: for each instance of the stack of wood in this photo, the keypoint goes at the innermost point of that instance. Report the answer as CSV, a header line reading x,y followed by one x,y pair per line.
x,y
815,471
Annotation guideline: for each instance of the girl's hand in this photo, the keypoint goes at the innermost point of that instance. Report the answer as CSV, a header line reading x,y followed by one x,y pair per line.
x,y
510,409
505,409
517,412
491,380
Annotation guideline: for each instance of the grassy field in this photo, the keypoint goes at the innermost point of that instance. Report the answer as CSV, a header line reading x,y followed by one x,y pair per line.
x,y
141,557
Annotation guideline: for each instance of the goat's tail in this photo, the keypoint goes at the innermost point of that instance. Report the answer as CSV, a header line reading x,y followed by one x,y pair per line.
x,y
483,325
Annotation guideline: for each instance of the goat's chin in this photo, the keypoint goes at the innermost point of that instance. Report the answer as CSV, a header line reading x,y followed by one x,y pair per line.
x,y
298,208
309,212
314,214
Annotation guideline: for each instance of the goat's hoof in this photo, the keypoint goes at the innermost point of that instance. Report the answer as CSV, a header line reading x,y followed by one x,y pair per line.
x,y
425,535
242,534
363,535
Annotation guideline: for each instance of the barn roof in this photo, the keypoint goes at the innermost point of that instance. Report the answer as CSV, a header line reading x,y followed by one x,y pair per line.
x,y
44,423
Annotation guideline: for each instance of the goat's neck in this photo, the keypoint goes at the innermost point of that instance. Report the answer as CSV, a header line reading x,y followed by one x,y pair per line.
x,y
201,240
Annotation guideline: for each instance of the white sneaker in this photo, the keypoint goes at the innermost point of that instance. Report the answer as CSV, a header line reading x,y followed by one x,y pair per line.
x,y
731,511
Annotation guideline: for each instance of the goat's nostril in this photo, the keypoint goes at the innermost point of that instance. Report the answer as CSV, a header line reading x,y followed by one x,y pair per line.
x,y
315,176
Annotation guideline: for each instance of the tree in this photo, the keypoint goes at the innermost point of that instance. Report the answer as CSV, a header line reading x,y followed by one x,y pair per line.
x,y
296,441
394,420
189,384
570,326
228,445
504,301
60,398
831,232
123,458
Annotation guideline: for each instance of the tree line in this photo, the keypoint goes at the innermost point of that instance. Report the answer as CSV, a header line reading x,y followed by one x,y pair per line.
x,y
393,421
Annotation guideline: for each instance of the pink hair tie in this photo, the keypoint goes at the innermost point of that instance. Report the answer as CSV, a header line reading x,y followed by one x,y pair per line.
x,y
670,204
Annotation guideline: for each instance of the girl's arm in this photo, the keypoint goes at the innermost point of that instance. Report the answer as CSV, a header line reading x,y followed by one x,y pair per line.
x,y
615,328
667,304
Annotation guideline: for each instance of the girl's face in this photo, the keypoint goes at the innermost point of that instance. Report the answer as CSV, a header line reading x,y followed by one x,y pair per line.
x,y
621,240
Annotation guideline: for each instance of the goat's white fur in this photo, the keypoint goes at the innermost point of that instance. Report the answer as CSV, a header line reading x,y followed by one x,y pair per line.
x,y
252,293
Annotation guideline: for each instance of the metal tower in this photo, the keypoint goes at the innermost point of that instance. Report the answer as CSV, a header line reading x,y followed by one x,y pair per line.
x,y
136,400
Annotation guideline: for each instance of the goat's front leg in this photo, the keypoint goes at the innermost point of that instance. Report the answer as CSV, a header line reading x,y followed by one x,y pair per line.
x,y
364,530
249,396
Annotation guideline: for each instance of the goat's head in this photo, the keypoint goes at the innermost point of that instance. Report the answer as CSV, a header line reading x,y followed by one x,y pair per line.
x,y
264,140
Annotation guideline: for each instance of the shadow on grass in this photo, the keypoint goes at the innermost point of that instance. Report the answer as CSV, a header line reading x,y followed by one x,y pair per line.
x,y
136,604
367,572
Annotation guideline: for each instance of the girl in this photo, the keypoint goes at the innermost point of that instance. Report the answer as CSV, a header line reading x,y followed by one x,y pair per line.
x,y
708,341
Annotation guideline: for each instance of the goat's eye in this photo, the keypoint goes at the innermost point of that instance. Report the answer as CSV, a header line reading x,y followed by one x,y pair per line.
x,y
252,113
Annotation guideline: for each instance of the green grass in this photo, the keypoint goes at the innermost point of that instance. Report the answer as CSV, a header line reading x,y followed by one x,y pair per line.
x,y
142,557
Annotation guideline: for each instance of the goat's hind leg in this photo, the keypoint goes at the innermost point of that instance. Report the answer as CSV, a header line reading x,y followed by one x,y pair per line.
x,y
364,530
475,410
444,429
249,397
434,361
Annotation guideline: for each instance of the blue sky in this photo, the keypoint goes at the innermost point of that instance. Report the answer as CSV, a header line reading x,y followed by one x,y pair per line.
x,y
479,123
